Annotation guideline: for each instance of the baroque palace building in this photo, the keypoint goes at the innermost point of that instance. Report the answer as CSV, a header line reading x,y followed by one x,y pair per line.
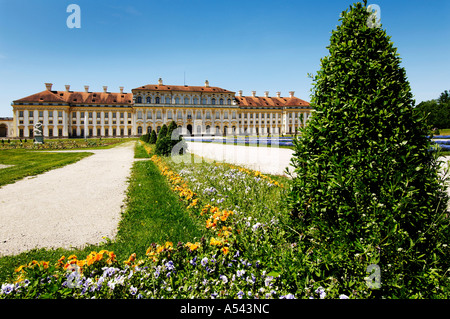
x,y
196,109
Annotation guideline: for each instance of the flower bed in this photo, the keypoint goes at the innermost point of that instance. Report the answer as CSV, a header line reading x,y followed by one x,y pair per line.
x,y
244,254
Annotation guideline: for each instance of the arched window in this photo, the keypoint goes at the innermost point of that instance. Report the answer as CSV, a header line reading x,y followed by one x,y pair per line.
x,y
149,115
221,101
139,99
217,115
177,100
208,129
149,129
229,101
158,115
157,100
149,99
199,115
167,100
169,114
234,115
180,115
189,115
225,115
208,115
213,101
195,100
204,100
139,114
139,129
186,100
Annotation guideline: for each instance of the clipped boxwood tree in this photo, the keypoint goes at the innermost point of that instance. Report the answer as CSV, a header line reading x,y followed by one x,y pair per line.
x,y
366,189
152,139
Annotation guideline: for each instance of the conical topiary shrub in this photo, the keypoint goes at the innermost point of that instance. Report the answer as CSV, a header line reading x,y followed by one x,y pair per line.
x,y
367,193
152,139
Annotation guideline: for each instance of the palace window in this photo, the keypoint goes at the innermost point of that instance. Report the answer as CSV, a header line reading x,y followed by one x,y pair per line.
x,y
195,100
189,115
234,115
157,100
199,115
221,101
167,100
229,101
139,99
169,114
60,113
139,129
186,100
217,115
213,101
177,100
90,115
180,115
20,113
41,113
204,100
225,115
149,99
149,115
208,115
139,115
30,113
158,115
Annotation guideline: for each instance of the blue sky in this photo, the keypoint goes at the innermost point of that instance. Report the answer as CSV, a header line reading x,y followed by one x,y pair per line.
x,y
238,45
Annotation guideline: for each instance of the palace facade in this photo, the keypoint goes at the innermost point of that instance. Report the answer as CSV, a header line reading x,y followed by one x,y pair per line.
x,y
196,109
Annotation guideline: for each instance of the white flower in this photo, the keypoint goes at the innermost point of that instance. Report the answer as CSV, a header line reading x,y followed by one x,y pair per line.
x,y
343,296
321,292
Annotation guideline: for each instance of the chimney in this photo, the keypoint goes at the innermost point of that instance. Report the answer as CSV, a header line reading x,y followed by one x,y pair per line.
x,y
291,93
240,93
160,82
67,87
105,88
48,86
254,93
207,83
266,93
86,88
278,94
121,89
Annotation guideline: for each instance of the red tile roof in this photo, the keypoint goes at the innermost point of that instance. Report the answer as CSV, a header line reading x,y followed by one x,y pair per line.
x,y
79,97
185,88
259,101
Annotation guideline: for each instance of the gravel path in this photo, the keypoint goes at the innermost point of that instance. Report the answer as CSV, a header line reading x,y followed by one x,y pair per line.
x,y
269,160
66,207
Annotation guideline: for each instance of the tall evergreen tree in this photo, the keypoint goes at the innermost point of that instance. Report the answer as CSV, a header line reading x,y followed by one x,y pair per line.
x,y
152,139
366,189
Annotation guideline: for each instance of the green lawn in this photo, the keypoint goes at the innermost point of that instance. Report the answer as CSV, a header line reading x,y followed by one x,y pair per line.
x,y
28,163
